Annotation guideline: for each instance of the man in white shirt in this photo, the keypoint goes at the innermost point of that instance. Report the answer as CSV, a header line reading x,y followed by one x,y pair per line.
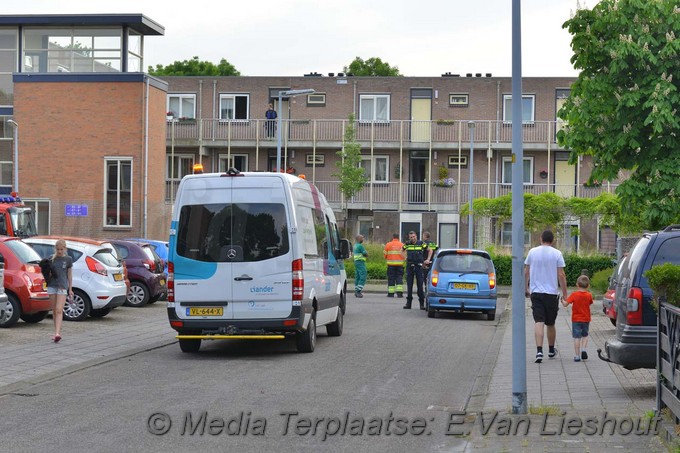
x,y
544,269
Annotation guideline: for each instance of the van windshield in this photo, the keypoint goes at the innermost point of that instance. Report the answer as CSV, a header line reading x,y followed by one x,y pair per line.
x,y
232,232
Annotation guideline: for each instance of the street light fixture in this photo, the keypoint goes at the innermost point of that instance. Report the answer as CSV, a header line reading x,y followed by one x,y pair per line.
x,y
288,94
15,125
471,125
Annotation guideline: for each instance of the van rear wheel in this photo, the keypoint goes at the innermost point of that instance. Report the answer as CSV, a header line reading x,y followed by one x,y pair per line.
x,y
189,345
306,341
334,329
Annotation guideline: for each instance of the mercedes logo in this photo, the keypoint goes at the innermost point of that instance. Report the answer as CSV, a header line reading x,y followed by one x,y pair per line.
x,y
231,254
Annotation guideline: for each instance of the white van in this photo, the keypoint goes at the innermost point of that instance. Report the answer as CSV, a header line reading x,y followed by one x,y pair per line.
x,y
256,256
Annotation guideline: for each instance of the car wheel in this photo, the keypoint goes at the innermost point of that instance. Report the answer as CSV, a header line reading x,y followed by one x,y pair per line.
x,y
138,296
33,318
12,312
100,312
306,341
334,329
189,345
491,315
430,311
79,308
613,322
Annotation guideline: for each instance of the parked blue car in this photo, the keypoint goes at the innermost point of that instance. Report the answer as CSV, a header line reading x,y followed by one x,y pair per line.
x,y
462,280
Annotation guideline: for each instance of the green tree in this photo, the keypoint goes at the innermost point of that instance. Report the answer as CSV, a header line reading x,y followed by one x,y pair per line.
x,y
195,67
350,174
622,109
372,67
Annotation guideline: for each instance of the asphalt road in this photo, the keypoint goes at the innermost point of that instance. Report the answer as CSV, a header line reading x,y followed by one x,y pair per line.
x,y
389,383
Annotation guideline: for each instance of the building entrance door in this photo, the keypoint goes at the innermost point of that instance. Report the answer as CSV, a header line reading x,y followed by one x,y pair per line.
x,y
565,179
421,115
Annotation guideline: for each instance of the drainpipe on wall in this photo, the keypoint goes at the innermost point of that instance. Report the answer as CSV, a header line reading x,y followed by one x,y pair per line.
x,y
145,215
200,122
214,108
498,108
354,100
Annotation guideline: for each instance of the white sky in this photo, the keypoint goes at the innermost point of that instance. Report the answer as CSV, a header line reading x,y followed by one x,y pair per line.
x,y
294,37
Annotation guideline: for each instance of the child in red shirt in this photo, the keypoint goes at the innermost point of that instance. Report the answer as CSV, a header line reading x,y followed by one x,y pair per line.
x,y
580,316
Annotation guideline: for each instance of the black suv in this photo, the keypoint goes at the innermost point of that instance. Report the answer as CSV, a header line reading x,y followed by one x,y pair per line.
x,y
636,321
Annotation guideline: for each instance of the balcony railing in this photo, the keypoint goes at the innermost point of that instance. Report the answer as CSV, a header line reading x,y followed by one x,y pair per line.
x,y
396,131
422,195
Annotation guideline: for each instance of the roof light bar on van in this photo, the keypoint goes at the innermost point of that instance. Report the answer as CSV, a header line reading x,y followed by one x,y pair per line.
x,y
298,280
198,169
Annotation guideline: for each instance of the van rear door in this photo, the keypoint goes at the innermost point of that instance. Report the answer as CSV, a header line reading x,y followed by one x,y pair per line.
x,y
203,273
260,233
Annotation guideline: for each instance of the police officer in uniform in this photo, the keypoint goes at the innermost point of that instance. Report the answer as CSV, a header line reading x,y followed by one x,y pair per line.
x,y
415,255
431,249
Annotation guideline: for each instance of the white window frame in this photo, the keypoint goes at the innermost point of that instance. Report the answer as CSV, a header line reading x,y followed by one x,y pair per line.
x,y
459,99
504,232
181,113
506,176
374,98
119,161
372,168
316,99
226,161
233,97
34,203
507,108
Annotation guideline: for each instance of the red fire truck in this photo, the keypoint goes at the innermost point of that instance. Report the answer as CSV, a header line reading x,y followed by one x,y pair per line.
x,y
16,219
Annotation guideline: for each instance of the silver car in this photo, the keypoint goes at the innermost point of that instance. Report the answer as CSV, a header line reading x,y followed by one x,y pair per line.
x,y
98,277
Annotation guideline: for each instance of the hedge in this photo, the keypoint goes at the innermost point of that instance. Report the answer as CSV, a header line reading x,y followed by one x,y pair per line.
x,y
575,264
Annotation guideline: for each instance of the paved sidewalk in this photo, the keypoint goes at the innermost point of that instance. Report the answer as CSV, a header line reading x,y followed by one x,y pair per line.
x,y
598,396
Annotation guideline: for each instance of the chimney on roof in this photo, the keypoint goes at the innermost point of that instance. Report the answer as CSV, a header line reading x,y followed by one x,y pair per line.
x,y
331,74
469,74
479,74
488,74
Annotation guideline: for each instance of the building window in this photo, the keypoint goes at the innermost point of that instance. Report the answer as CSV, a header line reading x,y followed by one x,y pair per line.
x,y
561,96
135,52
237,161
234,106
182,105
376,169
528,170
374,107
73,49
458,100
8,65
41,208
316,100
179,166
506,235
118,194
528,108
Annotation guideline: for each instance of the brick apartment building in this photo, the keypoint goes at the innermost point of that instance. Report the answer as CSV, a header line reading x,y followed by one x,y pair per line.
x,y
409,128
88,125
102,146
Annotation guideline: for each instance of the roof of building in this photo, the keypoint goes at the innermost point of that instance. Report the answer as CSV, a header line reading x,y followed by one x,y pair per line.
x,y
138,22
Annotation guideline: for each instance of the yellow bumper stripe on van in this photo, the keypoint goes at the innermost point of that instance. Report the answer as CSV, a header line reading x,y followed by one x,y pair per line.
x,y
230,337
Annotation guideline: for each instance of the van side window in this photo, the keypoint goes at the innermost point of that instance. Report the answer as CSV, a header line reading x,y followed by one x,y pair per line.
x,y
3,227
242,232
335,238
321,230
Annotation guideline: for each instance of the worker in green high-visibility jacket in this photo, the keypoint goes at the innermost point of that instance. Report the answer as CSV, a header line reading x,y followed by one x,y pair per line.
x,y
360,272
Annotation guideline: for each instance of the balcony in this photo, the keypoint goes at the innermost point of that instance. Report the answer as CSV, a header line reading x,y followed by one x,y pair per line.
x,y
440,134
417,196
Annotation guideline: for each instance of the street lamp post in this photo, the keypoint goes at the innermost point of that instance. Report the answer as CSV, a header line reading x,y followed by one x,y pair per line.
x,y
471,126
288,94
15,125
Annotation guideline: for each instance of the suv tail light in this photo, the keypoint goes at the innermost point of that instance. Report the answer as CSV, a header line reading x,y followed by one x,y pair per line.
x,y
149,264
298,280
634,307
492,280
171,281
95,266
434,278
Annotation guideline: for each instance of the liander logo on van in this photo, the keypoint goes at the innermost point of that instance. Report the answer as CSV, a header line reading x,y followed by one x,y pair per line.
x,y
262,289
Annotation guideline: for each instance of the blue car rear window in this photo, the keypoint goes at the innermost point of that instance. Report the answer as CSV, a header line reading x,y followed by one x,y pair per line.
x,y
463,263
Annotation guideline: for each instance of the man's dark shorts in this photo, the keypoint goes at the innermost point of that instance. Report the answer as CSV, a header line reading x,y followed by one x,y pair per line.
x,y
545,307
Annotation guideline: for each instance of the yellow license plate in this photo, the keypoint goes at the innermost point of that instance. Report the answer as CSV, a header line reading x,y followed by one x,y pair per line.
x,y
464,286
162,281
118,277
44,285
205,311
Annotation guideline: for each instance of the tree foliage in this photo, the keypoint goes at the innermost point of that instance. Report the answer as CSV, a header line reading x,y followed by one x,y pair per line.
x,y
350,174
622,109
372,67
195,67
549,210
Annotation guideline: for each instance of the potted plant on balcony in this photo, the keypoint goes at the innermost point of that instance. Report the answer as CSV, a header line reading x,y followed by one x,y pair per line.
x,y
543,173
444,180
169,116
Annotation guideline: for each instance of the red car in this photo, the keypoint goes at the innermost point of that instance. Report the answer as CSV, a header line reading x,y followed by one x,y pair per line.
x,y
24,284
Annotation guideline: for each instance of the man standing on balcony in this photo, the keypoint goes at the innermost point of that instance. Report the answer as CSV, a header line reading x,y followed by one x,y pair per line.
x,y
270,124
415,255
394,255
